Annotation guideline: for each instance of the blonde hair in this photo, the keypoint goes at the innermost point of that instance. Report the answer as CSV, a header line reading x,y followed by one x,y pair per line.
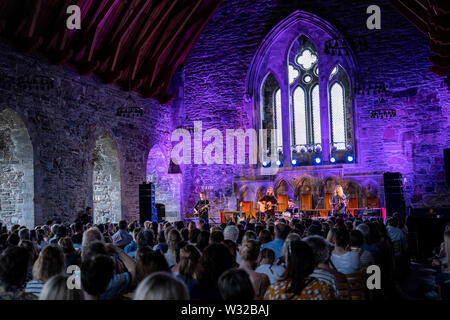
x,y
56,289
339,187
250,250
49,263
161,286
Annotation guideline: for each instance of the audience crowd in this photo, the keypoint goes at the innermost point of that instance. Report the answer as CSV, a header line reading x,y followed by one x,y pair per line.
x,y
302,259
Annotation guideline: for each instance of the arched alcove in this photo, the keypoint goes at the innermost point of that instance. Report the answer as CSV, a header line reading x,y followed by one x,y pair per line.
x,y
16,171
167,185
106,180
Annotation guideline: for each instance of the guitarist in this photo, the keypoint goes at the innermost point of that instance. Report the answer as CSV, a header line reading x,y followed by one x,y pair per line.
x,y
339,202
201,208
269,202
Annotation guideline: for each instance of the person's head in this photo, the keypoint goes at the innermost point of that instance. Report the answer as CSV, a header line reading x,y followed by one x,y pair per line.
x,y
185,234
250,251
290,203
356,238
266,256
61,231
248,235
339,191
320,248
13,239
144,238
78,227
96,273
179,225
67,245
148,262
265,236
216,237
173,240
270,191
193,235
314,229
331,237
93,249
91,235
392,221
235,285
89,211
203,240
49,263
14,266
161,237
161,286
291,237
281,231
56,289
147,225
231,232
299,265
202,196
24,234
189,258
342,238
123,225
215,260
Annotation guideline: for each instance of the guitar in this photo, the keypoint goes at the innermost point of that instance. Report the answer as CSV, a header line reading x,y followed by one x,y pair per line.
x,y
266,206
201,210
338,205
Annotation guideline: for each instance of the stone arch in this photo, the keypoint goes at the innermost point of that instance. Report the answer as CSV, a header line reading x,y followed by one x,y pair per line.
x,y
260,192
16,171
282,187
167,185
106,180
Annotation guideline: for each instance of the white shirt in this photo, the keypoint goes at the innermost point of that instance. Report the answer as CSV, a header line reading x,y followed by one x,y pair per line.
x,y
274,272
171,259
346,263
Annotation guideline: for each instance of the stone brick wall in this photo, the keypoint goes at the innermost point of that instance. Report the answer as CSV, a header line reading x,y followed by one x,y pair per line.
x,y
64,125
410,143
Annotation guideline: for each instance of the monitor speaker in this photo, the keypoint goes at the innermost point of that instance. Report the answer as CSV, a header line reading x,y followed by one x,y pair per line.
x,y
393,193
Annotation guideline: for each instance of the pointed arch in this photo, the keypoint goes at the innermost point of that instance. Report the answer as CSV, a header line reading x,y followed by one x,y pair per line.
x,y
107,204
17,171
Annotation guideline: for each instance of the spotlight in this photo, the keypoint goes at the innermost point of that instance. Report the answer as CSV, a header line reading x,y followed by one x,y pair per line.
x,y
279,163
332,160
294,162
350,158
317,160
266,164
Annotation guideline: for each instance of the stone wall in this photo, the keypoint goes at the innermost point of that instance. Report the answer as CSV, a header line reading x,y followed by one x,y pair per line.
x,y
64,124
411,143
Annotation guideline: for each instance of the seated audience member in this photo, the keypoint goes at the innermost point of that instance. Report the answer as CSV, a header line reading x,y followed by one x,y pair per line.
x,y
91,235
231,232
284,252
249,255
356,241
193,236
266,265
33,253
161,286
148,262
122,237
296,283
56,289
162,244
344,261
370,241
281,232
249,235
397,236
71,257
264,236
24,234
443,275
322,270
215,260
96,274
132,247
77,237
143,239
13,271
234,250
216,236
185,234
49,263
235,285
173,253
203,240
189,259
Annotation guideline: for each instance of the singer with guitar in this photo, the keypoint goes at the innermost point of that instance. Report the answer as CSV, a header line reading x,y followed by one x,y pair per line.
x,y
338,202
267,205
201,208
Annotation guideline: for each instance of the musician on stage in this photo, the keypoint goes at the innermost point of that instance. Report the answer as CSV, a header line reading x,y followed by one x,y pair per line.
x,y
269,202
201,208
339,202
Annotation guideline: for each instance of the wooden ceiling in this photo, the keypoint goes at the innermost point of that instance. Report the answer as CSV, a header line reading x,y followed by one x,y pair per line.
x,y
432,17
137,44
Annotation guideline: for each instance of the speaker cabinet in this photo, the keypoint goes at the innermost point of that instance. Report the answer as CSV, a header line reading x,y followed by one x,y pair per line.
x,y
393,193
447,165
147,205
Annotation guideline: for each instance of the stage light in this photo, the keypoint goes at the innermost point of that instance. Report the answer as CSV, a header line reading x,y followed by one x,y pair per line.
x,y
294,162
350,158
317,160
266,164
332,160
279,163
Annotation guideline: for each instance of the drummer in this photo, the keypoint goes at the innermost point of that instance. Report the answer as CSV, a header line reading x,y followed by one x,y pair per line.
x,y
293,210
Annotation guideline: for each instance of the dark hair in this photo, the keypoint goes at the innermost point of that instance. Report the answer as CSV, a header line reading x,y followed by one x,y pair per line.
x,y
299,265
235,285
265,236
216,237
122,225
193,235
189,258
161,237
215,260
185,234
281,231
148,262
78,227
14,266
356,238
268,254
202,240
342,238
179,225
13,239
96,273
92,249
144,238
66,245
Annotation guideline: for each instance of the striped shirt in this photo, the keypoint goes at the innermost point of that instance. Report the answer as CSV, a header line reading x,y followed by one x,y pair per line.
x,y
34,287
327,277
